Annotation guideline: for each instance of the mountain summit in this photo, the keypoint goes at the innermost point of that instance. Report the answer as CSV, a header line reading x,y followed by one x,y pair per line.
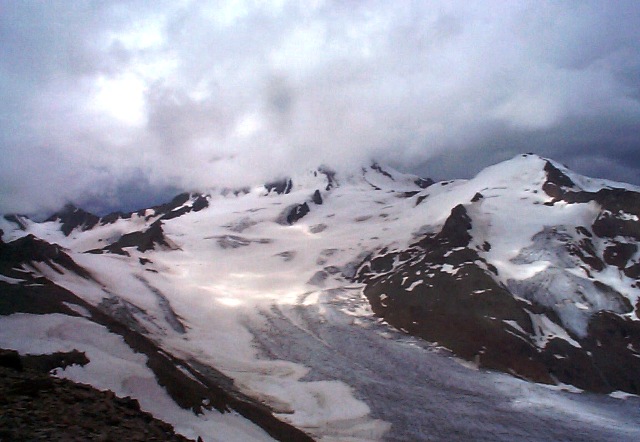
x,y
330,306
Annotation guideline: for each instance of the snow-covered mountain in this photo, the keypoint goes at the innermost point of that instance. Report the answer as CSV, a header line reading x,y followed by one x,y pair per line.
x,y
337,307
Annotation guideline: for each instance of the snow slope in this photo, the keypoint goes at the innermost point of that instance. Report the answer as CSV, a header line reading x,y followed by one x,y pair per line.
x,y
271,304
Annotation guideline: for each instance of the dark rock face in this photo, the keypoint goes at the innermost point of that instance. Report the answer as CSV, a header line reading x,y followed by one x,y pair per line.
x,y
113,217
72,218
317,198
143,241
280,187
619,254
46,363
37,406
443,290
16,220
423,183
31,249
451,298
297,213
200,203
176,207
10,359
377,168
608,225
330,175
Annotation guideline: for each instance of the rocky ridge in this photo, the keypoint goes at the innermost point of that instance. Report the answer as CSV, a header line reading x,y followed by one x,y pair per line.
x,y
566,324
39,407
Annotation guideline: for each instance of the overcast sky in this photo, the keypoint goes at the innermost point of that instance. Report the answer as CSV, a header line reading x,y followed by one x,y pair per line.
x,y
125,102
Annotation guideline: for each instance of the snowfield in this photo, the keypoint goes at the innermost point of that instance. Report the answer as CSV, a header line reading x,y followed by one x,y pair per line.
x,y
272,306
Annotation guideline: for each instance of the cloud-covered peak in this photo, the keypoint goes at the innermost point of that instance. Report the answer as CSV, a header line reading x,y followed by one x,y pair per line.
x,y
197,94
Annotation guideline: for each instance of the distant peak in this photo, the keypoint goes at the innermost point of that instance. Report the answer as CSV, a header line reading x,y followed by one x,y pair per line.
x,y
72,217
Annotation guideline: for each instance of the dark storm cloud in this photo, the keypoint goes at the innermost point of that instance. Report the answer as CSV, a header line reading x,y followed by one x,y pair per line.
x,y
98,96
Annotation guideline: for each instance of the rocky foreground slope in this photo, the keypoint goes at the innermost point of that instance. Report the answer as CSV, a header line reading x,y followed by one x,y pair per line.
x,y
246,314
39,407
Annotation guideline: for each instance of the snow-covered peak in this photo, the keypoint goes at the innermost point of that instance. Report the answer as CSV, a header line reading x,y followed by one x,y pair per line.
x,y
521,171
376,176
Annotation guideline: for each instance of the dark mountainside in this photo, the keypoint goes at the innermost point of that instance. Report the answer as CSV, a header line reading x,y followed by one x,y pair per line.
x,y
466,309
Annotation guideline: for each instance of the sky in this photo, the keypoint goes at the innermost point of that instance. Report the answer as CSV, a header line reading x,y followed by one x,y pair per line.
x,y
117,104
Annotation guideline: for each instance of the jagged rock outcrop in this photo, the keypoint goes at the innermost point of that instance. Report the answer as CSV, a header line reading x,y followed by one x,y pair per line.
x,y
141,240
551,326
280,187
29,249
72,218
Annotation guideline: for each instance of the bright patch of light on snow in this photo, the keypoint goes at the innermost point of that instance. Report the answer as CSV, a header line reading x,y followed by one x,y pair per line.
x,y
230,302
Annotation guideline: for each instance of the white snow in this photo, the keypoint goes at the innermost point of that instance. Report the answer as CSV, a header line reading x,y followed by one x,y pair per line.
x,y
114,366
414,285
9,280
222,295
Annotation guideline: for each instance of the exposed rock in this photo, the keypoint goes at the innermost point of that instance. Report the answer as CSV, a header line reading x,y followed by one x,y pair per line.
x,y
316,198
293,213
280,187
37,406
72,218
330,175
608,225
423,183
143,241
47,362
10,359
450,297
619,254
298,213
30,249
17,220
199,203
113,217
442,290
377,168
235,241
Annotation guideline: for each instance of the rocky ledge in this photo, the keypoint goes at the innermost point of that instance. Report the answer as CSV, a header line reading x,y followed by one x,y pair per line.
x,y
37,406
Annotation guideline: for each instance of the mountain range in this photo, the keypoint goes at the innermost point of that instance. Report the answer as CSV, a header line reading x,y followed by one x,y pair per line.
x,y
374,305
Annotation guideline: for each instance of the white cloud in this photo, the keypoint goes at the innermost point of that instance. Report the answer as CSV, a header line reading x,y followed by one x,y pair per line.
x,y
196,94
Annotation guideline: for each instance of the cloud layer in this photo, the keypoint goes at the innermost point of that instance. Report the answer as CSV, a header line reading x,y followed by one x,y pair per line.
x,y
124,101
